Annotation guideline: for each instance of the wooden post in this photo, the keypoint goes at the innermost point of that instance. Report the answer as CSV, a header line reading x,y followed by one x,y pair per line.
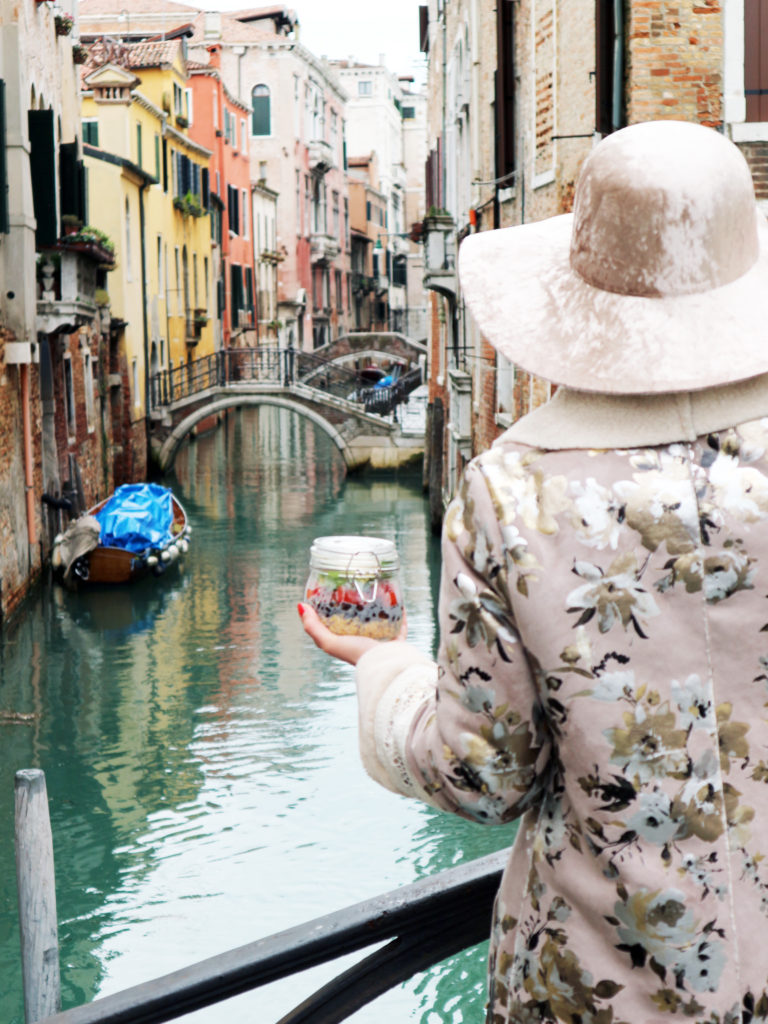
x,y
37,898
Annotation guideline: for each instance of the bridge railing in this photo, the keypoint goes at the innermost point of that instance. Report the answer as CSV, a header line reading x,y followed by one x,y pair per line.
x,y
421,924
279,367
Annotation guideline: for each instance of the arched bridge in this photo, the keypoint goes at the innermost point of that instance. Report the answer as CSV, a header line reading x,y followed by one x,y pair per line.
x,y
322,385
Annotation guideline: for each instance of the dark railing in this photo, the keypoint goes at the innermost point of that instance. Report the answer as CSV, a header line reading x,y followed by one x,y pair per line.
x,y
425,923
280,367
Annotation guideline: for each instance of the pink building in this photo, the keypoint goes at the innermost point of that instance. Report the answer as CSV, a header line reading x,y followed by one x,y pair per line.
x,y
221,123
297,150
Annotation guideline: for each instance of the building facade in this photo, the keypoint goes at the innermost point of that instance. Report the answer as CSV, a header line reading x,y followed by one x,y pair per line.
x,y
518,93
297,150
54,427
383,111
220,123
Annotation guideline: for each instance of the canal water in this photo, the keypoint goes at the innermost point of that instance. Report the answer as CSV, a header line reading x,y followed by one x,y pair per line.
x,y
201,755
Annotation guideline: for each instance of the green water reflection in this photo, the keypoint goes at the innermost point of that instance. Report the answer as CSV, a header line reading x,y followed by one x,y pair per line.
x,y
201,756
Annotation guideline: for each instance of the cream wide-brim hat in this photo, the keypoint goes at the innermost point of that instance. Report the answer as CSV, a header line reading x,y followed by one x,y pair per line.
x,y
657,282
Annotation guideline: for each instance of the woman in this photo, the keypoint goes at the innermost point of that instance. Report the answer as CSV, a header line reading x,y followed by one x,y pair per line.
x,y
603,668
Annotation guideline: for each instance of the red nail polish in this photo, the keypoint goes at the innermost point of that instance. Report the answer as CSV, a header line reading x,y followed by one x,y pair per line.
x,y
300,607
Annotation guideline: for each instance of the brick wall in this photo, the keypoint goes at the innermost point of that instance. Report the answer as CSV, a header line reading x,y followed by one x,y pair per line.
x,y
675,57
19,563
756,154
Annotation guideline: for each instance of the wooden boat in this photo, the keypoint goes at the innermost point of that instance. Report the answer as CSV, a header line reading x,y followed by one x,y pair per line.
x,y
80,557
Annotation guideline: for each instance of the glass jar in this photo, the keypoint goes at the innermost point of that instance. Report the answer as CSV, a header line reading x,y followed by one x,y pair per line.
x,y
354,586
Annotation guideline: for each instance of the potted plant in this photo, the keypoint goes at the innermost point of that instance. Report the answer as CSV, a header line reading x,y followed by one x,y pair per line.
x,y
79,53
93,242
70,223
63,23
181,121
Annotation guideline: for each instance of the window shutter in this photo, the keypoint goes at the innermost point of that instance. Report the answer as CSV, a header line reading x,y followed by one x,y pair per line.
x,y
756,59
206,186
42,163
505,89
609,65
82,192
68,176
4,212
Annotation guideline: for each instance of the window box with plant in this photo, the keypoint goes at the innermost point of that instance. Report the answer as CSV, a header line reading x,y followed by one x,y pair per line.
x,y
79,53
189,205
91,242
63,23
182,121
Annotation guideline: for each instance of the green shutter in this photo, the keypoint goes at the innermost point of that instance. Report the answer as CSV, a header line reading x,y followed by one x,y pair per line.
x,y
42,163
4,214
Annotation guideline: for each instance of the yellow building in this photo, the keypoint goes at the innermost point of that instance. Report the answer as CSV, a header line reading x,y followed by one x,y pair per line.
x,y
149,191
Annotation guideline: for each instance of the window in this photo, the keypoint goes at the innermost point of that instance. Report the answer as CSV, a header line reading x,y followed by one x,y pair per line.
x,y
400,271
157,156
298,203
69,394
233,209
364,88
135,381
243,136
756,60
128,253
244,198
139,153
179,305
88,387
260,106
236,294
339,292
409,113
91,132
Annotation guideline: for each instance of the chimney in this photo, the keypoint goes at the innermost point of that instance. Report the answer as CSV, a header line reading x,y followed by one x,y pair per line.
x,y
214,56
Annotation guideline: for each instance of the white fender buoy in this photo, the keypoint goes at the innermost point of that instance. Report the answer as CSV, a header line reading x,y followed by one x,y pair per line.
x,y
151,560
165,556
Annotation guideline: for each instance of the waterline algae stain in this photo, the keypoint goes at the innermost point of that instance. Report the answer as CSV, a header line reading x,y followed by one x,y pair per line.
x,y
201,756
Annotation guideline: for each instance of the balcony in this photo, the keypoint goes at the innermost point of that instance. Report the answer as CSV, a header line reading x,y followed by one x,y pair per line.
x,y
195,322
323,247
68,278
361,283
439,233
320,156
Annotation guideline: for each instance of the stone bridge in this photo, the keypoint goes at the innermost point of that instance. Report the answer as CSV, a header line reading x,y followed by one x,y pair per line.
x,y
322,386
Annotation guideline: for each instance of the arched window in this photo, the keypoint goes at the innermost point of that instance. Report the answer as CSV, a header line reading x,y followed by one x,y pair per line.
x,y
260,104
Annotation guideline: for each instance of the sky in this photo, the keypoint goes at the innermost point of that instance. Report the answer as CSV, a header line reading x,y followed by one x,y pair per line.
x,y
353,28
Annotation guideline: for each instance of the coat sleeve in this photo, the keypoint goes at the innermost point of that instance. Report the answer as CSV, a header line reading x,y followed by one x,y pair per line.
x,y
465,734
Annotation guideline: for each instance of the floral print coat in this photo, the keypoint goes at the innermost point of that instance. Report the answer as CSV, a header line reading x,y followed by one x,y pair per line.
x,y
603,673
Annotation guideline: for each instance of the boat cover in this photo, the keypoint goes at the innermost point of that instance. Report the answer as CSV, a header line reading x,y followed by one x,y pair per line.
x,y
137,517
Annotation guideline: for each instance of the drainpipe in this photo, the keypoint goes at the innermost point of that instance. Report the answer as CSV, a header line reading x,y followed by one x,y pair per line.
x,y
145,318
28,458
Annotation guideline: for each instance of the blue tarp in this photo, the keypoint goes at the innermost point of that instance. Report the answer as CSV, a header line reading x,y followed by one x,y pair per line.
x,y
137,517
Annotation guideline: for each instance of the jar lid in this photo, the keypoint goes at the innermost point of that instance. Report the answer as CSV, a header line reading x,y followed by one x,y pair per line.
x,y
355,556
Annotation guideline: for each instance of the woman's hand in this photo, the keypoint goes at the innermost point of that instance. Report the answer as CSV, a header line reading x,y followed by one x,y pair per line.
x,y
345,648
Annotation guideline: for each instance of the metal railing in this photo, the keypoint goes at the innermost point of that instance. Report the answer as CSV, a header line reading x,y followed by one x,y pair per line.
x,y
424,922
279,367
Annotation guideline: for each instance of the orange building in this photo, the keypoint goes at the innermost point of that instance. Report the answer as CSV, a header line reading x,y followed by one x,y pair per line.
x,y
220,123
